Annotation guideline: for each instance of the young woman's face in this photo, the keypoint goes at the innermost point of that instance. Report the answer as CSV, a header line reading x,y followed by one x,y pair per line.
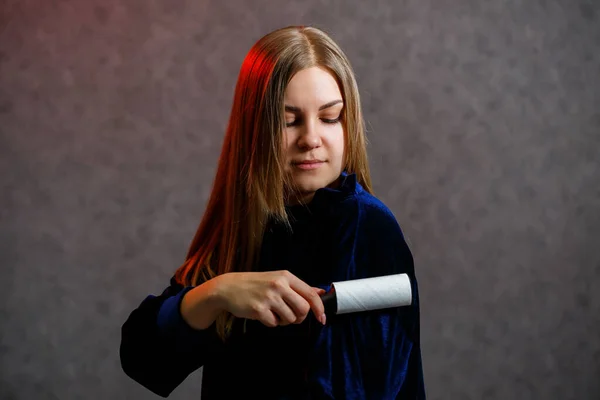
x,y
314,134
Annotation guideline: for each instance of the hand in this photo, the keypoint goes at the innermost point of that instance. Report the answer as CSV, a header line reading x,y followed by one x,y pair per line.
x,y
273,298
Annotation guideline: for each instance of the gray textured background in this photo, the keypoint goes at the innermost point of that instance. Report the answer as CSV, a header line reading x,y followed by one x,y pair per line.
x,y
484,128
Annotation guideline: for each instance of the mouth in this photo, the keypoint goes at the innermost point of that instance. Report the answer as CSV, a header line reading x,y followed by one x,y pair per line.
x,y
308,164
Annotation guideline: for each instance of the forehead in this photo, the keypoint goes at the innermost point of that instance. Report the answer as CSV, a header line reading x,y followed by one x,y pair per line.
x,y
312,87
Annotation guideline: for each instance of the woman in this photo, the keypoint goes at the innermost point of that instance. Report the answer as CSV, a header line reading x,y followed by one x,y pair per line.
x,y
290,212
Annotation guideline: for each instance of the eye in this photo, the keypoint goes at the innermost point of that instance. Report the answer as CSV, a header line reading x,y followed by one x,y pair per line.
x,y
331,121
292,123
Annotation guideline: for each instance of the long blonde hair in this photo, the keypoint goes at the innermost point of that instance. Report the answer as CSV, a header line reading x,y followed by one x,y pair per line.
x,y
250,181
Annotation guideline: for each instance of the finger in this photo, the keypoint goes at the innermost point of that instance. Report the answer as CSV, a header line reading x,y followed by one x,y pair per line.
x,y
284,312
319,290
298,304
269,319
306,291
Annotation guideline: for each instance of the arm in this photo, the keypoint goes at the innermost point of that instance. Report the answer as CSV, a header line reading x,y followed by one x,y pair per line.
x,y
372,355
159,349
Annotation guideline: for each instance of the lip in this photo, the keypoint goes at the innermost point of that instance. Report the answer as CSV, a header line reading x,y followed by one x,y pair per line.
x,y
309,164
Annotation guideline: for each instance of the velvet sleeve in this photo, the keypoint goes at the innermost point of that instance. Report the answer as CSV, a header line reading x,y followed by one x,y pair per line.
x,y
373,355
158,348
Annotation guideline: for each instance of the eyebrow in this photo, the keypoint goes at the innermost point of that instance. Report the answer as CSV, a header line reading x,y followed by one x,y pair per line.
x,y
323,107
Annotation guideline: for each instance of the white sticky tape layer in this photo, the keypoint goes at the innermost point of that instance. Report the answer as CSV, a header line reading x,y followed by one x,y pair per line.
x,y
373,293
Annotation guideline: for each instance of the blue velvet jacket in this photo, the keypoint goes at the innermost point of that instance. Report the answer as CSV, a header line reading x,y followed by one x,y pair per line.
x,y
344,233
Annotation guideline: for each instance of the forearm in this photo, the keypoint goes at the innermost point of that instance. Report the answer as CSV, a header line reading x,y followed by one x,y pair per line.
x,y
158,348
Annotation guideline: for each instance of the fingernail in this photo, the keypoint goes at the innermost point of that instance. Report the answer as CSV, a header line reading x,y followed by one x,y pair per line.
x,y
323,319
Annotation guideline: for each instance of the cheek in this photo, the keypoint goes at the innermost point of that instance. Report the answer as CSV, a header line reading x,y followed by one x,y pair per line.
x,y
287,144
339,141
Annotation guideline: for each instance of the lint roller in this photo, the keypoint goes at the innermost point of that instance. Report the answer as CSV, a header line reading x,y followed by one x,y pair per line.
x,y
368,294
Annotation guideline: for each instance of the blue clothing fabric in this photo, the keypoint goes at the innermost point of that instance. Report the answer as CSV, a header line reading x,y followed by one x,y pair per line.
x,y
344,233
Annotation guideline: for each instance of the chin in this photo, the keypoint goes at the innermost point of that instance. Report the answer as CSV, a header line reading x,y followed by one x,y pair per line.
x,y
312,184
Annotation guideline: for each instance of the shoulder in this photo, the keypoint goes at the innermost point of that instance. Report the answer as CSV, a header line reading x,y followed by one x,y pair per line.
x,y
374,209
353,212
371,214
378,242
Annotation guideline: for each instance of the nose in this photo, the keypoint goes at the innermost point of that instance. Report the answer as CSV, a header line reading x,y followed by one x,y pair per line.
x,y
309,138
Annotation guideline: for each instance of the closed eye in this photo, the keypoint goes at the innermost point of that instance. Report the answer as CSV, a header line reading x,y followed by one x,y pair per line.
x,y
331,121
298,121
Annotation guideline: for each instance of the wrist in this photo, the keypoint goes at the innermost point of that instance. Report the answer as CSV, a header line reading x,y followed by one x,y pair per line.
x,y
215,295
201,306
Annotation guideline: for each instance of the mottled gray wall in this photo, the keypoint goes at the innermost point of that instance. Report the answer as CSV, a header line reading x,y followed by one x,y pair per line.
x,y
484,127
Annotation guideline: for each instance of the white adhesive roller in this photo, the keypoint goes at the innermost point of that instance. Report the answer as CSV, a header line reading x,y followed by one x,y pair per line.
x,y
368,294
